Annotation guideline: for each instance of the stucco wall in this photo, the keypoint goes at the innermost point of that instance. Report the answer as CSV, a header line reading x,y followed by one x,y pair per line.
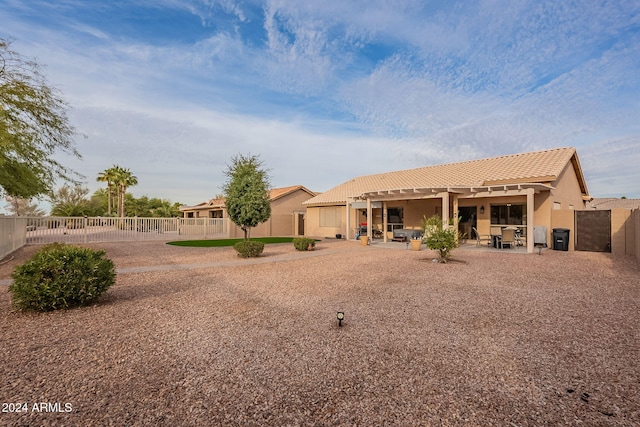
x,y
567,190
415,210
636,228
622,232
625,240
563,218
312,223
567,196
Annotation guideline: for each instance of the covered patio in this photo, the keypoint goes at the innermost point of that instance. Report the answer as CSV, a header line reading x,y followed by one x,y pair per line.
x,y
485,208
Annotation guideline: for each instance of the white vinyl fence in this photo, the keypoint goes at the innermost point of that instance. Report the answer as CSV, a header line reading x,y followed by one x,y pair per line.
x,y
42,230
13,234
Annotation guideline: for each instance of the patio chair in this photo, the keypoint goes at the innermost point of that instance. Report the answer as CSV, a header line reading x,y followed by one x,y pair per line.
x,y
481,237
508,237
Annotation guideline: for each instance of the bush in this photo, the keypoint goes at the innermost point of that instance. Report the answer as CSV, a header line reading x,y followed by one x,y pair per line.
x,y
302,243
249,248
440,239
61,276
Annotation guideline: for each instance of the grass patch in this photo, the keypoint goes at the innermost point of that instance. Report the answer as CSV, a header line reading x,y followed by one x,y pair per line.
x,y
228,242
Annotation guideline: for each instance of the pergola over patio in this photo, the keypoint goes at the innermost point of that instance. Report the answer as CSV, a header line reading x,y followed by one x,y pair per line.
x,y
449,195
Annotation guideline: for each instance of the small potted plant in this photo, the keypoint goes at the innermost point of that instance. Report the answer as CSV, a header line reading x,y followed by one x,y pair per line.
x,y
416,243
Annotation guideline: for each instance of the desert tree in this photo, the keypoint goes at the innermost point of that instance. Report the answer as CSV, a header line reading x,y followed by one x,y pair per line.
x,y
22,207
33,127
70,201
246,192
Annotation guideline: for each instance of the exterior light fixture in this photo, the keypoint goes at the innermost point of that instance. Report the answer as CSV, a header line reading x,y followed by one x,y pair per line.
x,y
340,318
482,209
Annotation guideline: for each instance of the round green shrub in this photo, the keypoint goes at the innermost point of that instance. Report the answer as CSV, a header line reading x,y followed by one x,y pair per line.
x,y
61,276
249,248
303,243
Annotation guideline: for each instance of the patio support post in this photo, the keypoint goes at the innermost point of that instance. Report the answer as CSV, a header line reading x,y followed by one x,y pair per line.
x,y
455,213
385,221
348,209
369,217
530,221
445,210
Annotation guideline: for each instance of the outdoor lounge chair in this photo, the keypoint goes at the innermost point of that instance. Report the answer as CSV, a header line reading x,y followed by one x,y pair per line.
x,y
481,237
508,237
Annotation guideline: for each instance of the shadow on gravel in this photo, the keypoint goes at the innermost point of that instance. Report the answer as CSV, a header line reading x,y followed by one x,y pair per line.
x,y
130,292
434,260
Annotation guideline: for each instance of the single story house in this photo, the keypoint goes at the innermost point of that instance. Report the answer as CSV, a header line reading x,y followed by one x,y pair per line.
x,y
513,190
287,213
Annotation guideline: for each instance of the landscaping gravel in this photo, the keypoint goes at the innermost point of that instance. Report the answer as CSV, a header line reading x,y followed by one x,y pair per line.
x,y
197,336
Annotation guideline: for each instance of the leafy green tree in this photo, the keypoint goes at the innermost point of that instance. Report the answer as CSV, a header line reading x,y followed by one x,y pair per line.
x,y
99,201
141,206
22,207
161,208
247,193
439,238
70,201
33,127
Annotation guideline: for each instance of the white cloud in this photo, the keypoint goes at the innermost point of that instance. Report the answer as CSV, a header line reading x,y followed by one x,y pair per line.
x,y
306,84
611,167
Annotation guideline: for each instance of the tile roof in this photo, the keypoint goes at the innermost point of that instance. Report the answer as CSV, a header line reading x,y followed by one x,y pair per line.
x,y
274,193
533,167
613,203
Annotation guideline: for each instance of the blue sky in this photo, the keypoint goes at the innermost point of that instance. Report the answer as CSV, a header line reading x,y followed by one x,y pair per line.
x,y
325,91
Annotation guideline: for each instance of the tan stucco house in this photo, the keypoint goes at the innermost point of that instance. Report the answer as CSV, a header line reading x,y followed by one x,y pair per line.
x,y
520,189
287,213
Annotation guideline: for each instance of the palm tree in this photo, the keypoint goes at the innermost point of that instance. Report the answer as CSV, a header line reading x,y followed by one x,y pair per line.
x,y
109,176
124,179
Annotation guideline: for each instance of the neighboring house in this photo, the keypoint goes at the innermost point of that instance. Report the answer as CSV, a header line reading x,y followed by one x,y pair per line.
x,y
287,213
613,203
520,189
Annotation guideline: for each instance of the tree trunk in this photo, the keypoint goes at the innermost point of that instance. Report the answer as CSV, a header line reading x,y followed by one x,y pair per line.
x,y
109,199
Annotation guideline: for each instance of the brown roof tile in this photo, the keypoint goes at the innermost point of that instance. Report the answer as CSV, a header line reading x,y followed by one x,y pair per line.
x,y
533,167
274,193
613,203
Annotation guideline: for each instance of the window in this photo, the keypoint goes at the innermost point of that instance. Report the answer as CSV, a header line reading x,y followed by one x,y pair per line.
x,y
508,214
331,216
395,218
215,214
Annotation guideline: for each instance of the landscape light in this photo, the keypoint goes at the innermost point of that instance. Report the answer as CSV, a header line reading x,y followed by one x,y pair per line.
x,y
340,318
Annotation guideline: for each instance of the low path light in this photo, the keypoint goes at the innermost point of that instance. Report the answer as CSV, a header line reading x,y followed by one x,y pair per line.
x,y
340,317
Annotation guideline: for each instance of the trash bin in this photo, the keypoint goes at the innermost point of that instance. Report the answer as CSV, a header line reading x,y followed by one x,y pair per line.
x,y
560,239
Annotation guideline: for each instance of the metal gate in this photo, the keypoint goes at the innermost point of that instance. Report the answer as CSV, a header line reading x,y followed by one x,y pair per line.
x,y
593,231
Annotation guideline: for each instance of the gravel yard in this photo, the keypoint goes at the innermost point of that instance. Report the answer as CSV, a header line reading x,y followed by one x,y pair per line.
x,y
200,337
